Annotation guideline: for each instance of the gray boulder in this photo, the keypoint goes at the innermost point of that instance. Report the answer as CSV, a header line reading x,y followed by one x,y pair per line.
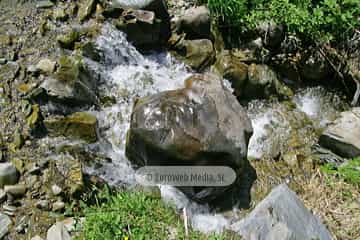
x,y
271,34
343,136
281,216
201,124
8,174
5,223
196,23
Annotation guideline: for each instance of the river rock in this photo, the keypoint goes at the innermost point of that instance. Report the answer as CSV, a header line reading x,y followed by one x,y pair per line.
x,y
272,34
143,29
8,174
5,223
201,124
71,84
159,7
58,232
198,54
196,23
263,82
80,125
343,136
232,69
281,215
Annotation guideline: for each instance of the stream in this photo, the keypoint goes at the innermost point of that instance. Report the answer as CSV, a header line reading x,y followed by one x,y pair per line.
x,y
126,74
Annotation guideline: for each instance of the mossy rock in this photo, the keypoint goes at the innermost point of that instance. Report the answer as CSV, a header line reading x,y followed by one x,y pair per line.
x,y
80,125
87,7
68,40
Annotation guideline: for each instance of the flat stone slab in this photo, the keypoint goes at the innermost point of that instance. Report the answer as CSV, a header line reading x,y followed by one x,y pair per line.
x,y
343,136
281,216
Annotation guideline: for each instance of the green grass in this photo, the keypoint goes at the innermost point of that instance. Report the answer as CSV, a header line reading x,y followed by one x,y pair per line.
x,y
136,215
349,172
314,20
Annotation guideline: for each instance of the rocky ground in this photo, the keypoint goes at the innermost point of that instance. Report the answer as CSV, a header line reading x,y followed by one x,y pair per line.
x,y
46,88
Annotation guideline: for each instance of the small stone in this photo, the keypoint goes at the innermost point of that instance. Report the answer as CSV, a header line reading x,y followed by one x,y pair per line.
x,y
44,4
58,232
8,174
5,223
56,190
46,66
68,40
60,14
9,208
2,61
2,196
18,141
37,238
18,190
58,206
43,205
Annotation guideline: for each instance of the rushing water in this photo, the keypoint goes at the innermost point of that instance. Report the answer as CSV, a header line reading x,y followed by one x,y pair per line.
x,y
126,74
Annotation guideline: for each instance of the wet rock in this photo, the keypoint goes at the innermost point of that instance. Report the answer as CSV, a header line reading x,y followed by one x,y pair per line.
x,y
58,232
159,7
314,67
198,54
87,7
17,191
80,125
263,82
196,23
44,4
5,223
202,124
72,84
281,215
232,69
46,66
68,40
8,174
342,137
143,29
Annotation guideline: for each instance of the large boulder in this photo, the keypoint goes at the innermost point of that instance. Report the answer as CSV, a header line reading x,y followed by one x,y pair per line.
x,y
201,124
72,83
343,136
282,216
143,29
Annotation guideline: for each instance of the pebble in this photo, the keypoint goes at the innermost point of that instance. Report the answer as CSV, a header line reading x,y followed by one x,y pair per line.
x,y
56,190
37,238
58,232
44,4
42,205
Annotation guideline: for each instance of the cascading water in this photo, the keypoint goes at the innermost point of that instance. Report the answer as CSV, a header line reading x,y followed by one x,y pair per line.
x,y
126,74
